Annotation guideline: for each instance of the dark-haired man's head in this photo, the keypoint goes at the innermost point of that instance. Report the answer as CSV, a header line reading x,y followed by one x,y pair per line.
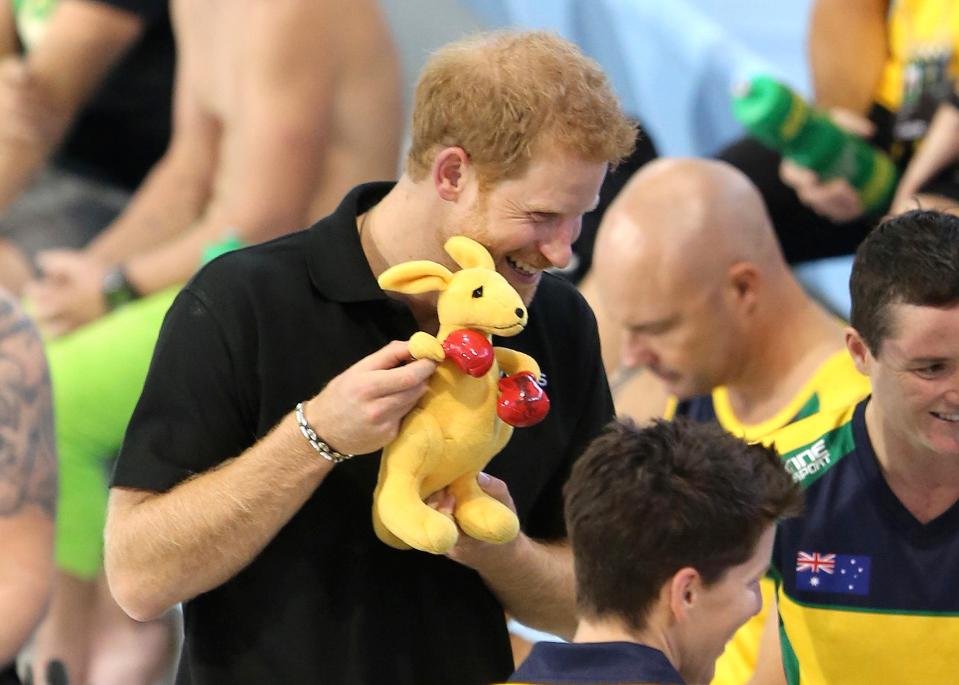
x,y
905,329
910,259
672,528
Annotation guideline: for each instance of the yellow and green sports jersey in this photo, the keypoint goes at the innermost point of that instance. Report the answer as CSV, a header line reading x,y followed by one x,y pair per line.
x,y
866,593
923,37
835,384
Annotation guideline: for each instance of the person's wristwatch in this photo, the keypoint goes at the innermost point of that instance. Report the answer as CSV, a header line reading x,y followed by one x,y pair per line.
x,y
117,289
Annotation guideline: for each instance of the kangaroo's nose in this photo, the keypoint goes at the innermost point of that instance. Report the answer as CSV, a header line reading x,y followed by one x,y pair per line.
x,y
520,312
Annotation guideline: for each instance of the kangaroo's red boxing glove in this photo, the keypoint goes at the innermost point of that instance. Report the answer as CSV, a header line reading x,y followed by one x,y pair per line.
x,y
522,402
470,351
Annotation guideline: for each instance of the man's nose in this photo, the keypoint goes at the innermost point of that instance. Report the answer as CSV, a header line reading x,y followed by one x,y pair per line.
x,y
952,394
558,246
635,351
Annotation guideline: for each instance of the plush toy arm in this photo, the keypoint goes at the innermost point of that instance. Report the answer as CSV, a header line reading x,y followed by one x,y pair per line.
x,y
511,361
425,346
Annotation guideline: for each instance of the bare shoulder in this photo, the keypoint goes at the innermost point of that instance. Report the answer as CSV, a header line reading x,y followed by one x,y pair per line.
x,y
28,468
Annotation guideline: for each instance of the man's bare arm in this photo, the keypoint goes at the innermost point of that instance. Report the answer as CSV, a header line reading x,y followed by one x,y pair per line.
x,y
173,196
536,585
847,49
939,149
273,143
41,93
533,580
28,480
168,203
165,548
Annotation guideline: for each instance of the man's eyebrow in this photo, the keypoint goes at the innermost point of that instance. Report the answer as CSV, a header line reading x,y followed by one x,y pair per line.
x,y
927,360
654,326
534,208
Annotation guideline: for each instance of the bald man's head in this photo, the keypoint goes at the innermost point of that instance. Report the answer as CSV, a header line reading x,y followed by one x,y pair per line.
x,y
680,257
699,215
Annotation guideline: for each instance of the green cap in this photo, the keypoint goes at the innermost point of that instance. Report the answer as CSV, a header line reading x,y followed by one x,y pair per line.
x,y
769,110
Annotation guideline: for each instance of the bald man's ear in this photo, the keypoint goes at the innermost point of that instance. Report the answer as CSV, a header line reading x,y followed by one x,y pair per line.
x,y
744,280
451,171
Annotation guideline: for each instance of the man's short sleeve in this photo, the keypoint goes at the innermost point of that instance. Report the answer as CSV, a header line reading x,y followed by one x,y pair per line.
x,y
189,417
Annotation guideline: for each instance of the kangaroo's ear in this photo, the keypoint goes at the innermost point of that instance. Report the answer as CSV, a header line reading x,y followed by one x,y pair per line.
x,y
416,277
468,253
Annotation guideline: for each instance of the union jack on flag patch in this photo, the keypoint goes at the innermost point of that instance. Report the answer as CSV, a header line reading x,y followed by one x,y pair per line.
x,y
816,562
844,574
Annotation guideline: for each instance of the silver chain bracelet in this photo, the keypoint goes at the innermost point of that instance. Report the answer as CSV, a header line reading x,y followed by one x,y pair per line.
x,y
325,450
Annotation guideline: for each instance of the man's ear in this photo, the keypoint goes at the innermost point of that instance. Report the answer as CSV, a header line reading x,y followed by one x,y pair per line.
x,y
451,170
744,281
858,350
683,590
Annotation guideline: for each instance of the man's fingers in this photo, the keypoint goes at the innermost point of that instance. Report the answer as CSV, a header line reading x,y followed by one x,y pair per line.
x,y
797,176
56,263
852,122
57,328
442,501
492,486
48,314
43,302
387,357
401,402
53,325
403,378
836,199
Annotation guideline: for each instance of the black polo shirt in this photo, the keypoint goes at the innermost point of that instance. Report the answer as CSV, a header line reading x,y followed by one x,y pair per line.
x,y
260,329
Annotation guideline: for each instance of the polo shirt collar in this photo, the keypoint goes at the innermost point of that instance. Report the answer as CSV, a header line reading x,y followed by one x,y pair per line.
x,y
337,264
596,662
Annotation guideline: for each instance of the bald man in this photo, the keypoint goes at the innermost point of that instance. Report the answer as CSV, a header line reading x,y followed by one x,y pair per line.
x,y
690,278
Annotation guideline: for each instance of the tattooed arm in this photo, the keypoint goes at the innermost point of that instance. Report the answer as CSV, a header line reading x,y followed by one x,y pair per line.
x,y
28,480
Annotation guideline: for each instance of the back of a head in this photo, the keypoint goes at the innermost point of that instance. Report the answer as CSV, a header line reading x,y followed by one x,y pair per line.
x,y
501,96
912,258
641,504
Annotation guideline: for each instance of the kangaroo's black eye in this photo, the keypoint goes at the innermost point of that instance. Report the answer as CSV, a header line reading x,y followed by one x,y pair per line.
x,y
478,292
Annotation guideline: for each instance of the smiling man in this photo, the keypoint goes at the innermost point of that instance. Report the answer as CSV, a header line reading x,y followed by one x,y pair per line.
x,y
219,500
866,578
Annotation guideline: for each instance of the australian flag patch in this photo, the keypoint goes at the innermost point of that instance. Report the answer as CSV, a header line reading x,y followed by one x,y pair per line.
x,y
846,574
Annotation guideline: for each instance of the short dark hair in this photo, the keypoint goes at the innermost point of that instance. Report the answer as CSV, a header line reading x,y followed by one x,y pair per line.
x,y
641,504
912,258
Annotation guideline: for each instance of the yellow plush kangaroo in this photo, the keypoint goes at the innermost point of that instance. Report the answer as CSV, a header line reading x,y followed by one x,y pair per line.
x,y
454,430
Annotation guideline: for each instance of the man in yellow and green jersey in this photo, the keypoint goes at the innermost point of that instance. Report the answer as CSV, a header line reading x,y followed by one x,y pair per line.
x,y
688,265
865,579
